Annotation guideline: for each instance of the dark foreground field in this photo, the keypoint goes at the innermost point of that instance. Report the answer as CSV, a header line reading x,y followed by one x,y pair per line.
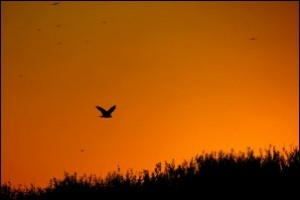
x,y
272,174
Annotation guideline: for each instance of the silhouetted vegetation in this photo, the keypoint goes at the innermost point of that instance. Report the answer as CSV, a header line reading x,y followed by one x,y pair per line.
x,y
272,173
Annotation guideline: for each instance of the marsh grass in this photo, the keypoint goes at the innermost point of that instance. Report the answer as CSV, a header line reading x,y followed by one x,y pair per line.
x,y
271,172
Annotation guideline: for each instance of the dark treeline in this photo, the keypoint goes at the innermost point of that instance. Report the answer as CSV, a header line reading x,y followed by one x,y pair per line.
x,y
271,173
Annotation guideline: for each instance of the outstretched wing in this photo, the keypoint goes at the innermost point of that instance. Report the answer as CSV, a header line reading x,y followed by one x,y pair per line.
x,y
112,109
54,4
101,109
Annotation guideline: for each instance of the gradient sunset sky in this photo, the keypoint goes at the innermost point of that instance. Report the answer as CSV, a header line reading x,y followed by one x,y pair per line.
x,y
186,77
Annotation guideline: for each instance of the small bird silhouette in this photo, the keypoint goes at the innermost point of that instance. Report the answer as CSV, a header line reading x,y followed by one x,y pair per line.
x,y
55,4
106,113
253,38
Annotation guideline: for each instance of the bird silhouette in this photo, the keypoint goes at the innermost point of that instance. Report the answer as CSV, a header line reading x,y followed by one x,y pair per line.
x,y
55,4
253,38
106,113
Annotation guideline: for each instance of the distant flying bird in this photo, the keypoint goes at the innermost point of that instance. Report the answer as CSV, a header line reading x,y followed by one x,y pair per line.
x,y
106,113
55,4
252,38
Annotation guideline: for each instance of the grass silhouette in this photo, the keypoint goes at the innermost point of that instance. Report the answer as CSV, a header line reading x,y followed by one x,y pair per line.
x,y
272,173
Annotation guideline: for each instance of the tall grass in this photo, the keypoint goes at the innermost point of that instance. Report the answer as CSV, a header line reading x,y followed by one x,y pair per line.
x,y
208,173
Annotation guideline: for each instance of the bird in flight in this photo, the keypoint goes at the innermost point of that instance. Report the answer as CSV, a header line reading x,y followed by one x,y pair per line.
x,y
55,4
106,113
252,38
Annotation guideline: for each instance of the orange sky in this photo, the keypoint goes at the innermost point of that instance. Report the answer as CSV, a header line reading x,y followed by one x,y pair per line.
x,y
185,77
